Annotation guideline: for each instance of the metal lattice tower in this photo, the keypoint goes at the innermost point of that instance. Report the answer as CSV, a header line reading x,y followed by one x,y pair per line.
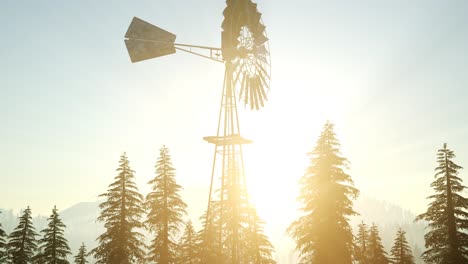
x,y
228,159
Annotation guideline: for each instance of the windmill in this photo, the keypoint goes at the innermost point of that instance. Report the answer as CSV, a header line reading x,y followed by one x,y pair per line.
x,y
245,54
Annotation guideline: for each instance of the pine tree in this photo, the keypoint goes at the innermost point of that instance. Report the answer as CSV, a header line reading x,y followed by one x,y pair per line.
x,y
121,214
362,239
376,251
53,246
323,233
166,209
39,258
9,256
255,246
208,246
22,241
446,242
259,249
3,245
401,251
188,253
80,258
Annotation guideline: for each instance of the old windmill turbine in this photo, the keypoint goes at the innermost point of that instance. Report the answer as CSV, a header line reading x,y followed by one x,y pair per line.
x,y
245,53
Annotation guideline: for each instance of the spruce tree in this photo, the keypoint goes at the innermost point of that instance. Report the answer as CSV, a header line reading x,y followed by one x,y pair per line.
x,y
255,246
53,247
3,244
22,241
258,247
323,233
376,252
166,210
401,252
8,259
208,246
80,258
188,253
446,242
39,258
121,213
362,239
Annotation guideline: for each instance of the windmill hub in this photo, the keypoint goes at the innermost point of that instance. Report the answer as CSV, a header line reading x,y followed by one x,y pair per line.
x,y
244,52
246,38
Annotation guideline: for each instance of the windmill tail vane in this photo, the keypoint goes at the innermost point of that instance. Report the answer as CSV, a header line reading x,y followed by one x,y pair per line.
x,y
146,41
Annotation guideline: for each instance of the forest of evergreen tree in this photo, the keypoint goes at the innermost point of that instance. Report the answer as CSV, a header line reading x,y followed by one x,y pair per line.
x,y
323,233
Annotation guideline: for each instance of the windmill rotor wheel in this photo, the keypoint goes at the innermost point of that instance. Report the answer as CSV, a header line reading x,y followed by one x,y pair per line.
x,y
245,47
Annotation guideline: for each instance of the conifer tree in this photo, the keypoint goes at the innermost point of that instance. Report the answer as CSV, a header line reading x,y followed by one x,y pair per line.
x,y
188,246
401,252
362,239
53,247
3,245
39,258
208,246
323,233
121,213
376,251
446,242
254,248
166,210
80,258
22,241
258,247
8,259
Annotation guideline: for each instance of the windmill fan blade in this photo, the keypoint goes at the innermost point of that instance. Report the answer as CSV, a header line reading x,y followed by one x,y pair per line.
x,y
256,93
242,90
259,29
228,44
246,90
261,89
238,71
252,5
260,39
263,58
262,81
254,88
259,66
251,94
261,50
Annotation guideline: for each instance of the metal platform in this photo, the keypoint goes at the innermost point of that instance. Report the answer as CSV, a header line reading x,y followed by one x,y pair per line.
x,y
235,139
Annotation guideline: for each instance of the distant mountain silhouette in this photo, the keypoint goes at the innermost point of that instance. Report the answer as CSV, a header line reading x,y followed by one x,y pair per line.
x,y
82,226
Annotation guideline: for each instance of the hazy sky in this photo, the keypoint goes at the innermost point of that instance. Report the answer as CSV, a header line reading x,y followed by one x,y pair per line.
x,y
392,76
